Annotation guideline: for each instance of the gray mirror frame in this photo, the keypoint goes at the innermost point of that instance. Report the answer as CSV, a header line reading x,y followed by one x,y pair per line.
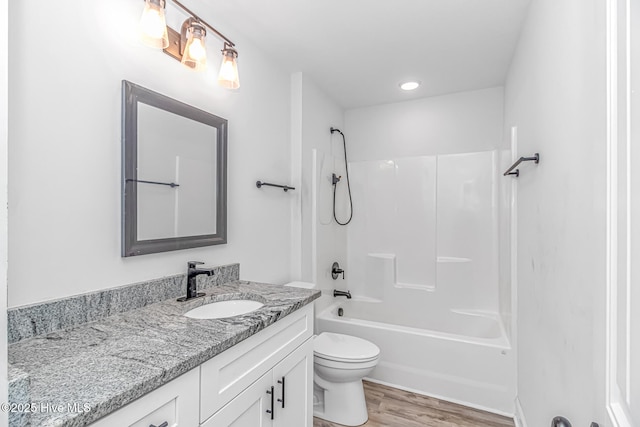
x,y
133,94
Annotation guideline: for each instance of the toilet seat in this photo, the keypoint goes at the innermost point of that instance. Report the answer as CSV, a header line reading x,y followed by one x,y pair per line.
x,y
344,360
345,366
344,348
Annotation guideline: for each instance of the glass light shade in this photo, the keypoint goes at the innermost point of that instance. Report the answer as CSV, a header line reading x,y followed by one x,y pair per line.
x,y
153,25
195,54
228,76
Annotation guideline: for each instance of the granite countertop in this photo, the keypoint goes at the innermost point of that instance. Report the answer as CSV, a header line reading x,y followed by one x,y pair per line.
x,y
104,365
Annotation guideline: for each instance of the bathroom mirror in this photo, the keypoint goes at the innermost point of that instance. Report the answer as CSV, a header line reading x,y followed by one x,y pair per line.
x,y
174,171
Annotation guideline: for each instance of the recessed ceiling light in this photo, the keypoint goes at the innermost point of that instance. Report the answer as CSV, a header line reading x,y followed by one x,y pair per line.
x,y
409,85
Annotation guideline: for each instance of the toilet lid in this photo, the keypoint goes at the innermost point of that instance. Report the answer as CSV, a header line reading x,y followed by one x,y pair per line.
x,y
344,348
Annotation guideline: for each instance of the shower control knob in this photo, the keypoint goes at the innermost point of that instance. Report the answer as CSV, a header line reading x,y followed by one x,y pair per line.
x,y
336,271
560,422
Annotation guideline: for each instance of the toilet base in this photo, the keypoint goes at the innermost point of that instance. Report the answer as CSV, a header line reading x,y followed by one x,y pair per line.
x,y
341,403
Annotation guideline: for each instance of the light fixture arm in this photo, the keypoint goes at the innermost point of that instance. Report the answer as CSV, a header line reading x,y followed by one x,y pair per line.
x,y
203,22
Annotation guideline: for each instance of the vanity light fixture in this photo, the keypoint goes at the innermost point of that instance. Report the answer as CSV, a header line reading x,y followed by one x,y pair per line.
x,y
409,85
188,45
192,37
228,76
153,25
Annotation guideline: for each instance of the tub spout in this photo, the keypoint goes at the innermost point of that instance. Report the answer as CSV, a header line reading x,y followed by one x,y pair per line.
x,y
337,293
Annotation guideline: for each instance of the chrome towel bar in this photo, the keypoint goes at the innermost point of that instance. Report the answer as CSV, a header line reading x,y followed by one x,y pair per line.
x,y
535,158
170,184
284,187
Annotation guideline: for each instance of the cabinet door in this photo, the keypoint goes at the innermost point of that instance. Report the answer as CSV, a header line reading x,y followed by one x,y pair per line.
x,y
175,403
293,380
248,409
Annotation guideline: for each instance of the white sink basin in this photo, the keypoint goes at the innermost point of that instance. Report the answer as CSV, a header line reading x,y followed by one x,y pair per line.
x,y
221,309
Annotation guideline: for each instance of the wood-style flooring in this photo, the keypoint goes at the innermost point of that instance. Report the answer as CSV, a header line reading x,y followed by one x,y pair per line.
x,y
390,407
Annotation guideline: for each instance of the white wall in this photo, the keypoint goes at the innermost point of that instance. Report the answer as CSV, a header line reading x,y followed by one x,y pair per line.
x,y
555,95
322,240
64,153
4,123
457,123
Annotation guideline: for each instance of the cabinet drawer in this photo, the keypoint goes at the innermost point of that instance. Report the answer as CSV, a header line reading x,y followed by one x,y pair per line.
x,y
229,373
248,409
175,403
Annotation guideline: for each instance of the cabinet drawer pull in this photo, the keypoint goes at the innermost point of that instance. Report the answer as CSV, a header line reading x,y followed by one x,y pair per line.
x,y
164,424
282,400
271,410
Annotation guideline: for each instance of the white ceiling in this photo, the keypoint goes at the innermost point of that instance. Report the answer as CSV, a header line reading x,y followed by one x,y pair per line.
x,y
358,51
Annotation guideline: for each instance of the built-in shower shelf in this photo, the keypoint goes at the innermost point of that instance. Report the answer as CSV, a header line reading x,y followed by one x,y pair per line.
x,y
390,274
382,255
416,286
451,259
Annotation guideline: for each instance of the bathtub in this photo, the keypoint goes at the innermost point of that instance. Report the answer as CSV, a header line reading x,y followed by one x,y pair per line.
x,y
455,355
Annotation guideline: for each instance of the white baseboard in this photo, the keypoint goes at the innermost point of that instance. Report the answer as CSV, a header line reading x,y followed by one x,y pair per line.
x,y
518,418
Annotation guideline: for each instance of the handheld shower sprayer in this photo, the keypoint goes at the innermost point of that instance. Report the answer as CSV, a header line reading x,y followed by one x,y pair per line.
x,y
335,179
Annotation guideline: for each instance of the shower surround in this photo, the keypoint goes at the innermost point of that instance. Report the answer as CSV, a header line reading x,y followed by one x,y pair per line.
x,y
427,255
423,260
426,233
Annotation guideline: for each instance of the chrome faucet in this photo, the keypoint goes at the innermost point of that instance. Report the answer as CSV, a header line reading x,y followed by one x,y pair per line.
x,y
192,282
337,293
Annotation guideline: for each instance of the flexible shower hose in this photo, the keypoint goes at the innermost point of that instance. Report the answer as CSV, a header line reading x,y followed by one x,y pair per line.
x,y
335,182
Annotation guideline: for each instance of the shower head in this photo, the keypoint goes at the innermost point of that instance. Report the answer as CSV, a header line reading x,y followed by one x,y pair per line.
x,y
336,130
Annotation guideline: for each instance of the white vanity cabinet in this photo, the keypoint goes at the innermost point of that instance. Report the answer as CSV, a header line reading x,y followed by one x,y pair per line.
x,y
256,366
172,405
237,387
279,398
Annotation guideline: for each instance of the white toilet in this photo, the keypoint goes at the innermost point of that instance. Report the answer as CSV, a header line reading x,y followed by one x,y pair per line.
x,y
340,362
